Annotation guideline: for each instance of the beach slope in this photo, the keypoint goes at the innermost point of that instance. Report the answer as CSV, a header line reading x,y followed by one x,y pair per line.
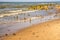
x,y
44,31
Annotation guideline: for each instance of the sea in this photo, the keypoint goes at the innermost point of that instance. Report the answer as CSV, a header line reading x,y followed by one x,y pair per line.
x,y
14,23
11,6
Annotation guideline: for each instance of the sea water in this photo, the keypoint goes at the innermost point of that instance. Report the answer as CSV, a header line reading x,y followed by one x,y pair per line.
x,y
14,25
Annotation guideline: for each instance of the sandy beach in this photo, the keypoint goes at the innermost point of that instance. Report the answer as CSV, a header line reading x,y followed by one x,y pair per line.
x,y
33,21
49,30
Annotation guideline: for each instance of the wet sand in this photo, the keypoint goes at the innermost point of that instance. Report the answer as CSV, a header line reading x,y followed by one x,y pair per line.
x,y
44,31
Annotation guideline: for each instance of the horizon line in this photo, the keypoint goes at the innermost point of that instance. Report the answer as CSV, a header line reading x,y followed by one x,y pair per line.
x,y
30,1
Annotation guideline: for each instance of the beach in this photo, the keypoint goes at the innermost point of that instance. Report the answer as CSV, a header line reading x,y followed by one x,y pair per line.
x,y
49,30
9,25
29,21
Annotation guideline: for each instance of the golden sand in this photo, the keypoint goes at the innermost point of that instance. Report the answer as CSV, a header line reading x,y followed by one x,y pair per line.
x,y
45,31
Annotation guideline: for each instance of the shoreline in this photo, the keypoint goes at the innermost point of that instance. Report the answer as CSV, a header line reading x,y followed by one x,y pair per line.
x,y
34,22
12,25
35,32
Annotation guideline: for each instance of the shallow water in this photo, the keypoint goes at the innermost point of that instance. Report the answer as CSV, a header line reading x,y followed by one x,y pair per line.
x,y
14,25
27,15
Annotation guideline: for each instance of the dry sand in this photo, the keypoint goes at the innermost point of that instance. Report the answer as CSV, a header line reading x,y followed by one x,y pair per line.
x,y
45,31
